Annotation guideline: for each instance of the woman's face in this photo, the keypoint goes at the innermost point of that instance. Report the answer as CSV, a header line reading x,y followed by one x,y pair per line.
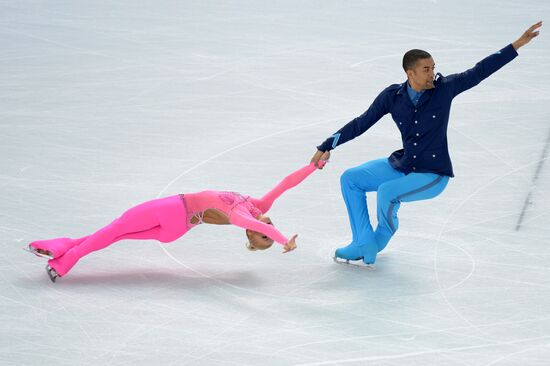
x,y
259,241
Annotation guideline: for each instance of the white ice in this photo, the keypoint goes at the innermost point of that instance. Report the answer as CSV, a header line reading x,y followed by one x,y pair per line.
x,y
105,104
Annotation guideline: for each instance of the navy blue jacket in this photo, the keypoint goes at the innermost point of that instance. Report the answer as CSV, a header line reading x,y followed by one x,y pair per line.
x,y
424,127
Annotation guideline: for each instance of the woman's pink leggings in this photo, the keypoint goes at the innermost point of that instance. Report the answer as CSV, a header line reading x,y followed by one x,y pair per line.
x,y
163,219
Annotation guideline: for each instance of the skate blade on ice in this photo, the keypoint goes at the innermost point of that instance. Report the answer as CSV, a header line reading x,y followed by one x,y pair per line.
x,y
358,263
37,253
52,274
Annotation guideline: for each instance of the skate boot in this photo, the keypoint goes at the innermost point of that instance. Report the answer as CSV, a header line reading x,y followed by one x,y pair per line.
x,y
52,273
351,252
354,252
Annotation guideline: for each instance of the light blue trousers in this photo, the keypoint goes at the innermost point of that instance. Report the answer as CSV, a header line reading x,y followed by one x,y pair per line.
x,y
393,187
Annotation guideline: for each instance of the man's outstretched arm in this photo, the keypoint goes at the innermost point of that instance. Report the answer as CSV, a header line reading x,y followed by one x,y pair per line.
x,y
356,127
483,69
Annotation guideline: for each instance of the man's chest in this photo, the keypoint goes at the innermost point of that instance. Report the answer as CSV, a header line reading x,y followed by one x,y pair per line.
x,y
432,111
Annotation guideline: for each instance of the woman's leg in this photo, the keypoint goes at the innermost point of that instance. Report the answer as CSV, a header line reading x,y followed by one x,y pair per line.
x,y
55,248
161,219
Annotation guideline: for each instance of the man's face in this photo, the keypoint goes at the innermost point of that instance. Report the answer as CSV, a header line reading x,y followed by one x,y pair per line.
x,y
421,76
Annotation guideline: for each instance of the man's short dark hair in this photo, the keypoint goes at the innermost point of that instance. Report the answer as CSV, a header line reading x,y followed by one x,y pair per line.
x,y
412,56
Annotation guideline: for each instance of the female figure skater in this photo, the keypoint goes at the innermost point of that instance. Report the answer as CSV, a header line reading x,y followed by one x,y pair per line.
x,y
167,219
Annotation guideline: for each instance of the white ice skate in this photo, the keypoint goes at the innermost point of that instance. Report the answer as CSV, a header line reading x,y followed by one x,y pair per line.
x,y
52,273
356,263
38,252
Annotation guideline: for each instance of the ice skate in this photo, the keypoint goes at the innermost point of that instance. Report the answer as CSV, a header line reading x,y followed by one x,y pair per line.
x,y
52,248
52,273
353,262
351,254
38,252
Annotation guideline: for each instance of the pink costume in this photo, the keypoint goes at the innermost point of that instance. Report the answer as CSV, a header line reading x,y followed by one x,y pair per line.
x,y
167,219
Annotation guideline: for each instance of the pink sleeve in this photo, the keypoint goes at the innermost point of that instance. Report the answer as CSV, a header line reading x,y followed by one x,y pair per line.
x,y
292,180
244,219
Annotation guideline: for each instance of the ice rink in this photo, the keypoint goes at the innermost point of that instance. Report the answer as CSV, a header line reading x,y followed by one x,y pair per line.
x,y
106,104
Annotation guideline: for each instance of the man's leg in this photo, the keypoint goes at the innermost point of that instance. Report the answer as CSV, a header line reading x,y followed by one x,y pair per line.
x,y
413,187
355,182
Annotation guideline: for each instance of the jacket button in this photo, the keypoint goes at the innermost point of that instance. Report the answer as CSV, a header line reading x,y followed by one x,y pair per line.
x,y
433,155
417,134
414,168
415,122
415,110
414,156
414,144
433,116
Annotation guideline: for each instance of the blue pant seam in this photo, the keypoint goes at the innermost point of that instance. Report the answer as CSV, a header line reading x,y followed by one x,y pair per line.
x,y
400,197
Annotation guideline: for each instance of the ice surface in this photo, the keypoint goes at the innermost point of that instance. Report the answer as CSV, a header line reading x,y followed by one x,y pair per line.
x,y
107,104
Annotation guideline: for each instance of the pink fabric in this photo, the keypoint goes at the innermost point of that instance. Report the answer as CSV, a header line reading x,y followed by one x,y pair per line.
x,y
160,219
57,247
167,219
242,210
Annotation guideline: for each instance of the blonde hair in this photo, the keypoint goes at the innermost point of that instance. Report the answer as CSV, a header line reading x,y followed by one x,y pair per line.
x,y
258,243
257,240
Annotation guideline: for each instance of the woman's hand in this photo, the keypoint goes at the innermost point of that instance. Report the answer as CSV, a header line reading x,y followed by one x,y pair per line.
x,y
291,245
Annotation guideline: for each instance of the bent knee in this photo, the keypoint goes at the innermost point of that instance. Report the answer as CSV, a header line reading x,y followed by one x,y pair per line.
x,y
351,178
347,177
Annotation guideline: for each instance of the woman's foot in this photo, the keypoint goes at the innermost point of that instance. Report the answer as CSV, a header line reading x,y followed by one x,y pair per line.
x,y
63,264
53,248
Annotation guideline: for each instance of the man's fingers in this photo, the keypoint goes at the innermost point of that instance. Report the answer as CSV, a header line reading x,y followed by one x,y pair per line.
x,y
316,157
320,155
534,26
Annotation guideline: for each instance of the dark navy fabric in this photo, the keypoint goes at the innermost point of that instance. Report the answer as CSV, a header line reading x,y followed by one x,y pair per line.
x,y
424,126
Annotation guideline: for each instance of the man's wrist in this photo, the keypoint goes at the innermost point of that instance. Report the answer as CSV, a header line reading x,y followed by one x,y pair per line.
x,y
517,45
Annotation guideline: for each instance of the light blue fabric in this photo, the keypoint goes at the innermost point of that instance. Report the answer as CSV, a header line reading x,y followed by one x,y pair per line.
x,y
393,187
414,95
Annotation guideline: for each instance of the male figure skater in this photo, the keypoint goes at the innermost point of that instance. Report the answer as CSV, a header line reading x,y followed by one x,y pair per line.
x,y
421,169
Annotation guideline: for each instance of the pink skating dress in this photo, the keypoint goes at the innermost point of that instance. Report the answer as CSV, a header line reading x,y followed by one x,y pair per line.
x,y
242,210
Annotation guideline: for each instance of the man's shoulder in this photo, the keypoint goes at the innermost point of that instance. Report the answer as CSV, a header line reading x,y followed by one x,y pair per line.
x,y
440,78
393,90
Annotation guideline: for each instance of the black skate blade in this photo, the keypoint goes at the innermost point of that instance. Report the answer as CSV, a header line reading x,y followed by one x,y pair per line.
x,y
52,274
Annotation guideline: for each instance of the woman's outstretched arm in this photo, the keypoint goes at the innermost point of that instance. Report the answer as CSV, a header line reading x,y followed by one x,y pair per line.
x,y
246,221
292,180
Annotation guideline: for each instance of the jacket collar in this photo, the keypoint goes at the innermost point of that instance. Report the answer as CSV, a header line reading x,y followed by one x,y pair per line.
x,y
402,89
424,97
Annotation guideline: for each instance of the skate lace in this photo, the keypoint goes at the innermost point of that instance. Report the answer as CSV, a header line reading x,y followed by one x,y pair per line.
x,y
200,217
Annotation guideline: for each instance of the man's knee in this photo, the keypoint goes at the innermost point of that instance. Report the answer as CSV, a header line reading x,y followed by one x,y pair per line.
x,y
347,179
355,178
